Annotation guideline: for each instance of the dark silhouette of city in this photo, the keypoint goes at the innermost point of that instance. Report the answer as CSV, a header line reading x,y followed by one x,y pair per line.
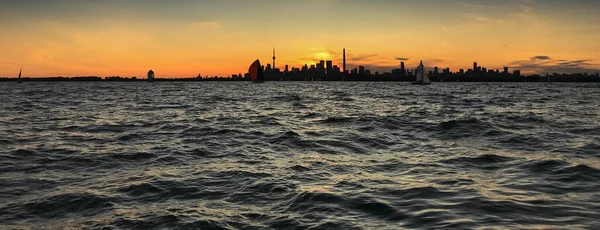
x,y
324,70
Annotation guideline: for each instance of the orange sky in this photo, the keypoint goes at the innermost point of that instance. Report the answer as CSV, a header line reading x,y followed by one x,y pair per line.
x,y
186,37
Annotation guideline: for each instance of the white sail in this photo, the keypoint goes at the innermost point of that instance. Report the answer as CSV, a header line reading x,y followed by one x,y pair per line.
x,y
420,72
421,78
426,77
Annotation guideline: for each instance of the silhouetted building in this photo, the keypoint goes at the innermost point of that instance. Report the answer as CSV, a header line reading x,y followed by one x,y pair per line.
x,y
329,66
344,60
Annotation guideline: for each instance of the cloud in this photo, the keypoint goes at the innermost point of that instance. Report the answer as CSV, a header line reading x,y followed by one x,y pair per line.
x,y
480,6
206,24
541,58
402,59
333,52
361,57
487,19
542,64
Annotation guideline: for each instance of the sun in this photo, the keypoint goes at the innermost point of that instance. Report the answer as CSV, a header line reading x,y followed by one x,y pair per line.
x,y
323,55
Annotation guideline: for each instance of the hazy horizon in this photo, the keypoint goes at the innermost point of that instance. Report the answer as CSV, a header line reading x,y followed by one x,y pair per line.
x,y
184,38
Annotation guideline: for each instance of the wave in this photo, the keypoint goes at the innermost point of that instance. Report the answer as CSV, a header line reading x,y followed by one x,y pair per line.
x,y
68,204
486,161
468,127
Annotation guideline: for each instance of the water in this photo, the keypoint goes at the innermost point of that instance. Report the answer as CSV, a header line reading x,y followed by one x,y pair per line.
x,y
321,155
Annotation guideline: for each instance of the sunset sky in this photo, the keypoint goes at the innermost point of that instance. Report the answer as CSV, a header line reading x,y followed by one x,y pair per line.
x,y
182,38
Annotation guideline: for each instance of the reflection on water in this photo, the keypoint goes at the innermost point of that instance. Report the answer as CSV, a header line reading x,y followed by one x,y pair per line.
x,y
328,155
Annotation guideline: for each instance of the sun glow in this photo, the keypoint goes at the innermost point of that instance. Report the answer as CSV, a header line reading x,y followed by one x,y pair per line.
x,y
323,55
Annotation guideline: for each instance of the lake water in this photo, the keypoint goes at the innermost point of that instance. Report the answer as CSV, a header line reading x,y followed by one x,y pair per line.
x,y
298,155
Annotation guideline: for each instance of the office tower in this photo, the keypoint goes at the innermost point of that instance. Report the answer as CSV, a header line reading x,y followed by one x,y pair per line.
x,y
321,67
505,70
517,73
329,66
474,66
336,69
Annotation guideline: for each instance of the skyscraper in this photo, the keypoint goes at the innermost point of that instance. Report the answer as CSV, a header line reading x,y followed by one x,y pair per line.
x,y
329,66
475,66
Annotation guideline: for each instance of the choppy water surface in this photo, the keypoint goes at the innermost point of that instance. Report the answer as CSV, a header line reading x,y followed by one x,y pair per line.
x,y
344,155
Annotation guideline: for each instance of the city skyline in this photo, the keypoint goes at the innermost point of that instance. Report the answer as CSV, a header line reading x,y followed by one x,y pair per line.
x,y
183,38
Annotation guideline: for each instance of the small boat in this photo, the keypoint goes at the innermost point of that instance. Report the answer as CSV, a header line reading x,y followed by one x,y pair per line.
x,y
422,79
256,73
19,79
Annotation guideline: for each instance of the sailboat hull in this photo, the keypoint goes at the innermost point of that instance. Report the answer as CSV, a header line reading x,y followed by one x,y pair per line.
x,y
421,83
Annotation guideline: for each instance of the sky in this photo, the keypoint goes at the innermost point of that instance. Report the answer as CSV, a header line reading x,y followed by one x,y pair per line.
x,y
184,38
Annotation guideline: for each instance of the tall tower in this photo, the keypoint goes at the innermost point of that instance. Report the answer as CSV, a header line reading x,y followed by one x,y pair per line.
x,y
273,57
344,60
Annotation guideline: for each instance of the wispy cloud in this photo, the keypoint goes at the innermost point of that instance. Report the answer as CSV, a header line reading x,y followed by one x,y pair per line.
x,y
543,64
362,57
480,6
402,59
487,19
206,24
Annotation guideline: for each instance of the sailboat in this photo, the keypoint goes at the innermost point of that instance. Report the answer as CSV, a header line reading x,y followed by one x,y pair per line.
x,y
422,79
19,79
548,78
256,73
151,76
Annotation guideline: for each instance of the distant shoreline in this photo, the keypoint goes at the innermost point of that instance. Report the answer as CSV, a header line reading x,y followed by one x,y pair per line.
x,y
568,78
